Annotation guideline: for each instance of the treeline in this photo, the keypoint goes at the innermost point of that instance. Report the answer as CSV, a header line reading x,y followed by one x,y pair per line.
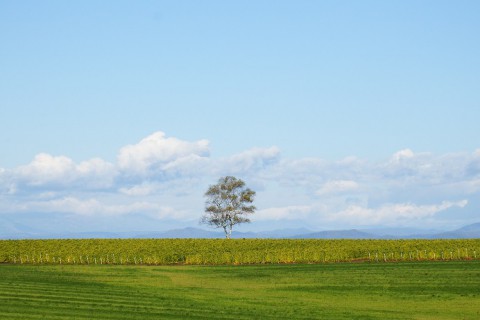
x,y
233,251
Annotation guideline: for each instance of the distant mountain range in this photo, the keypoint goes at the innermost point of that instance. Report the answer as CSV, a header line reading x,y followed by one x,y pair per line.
x,y
470,231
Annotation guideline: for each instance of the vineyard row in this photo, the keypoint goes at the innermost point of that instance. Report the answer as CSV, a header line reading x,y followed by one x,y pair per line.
x,y
238,251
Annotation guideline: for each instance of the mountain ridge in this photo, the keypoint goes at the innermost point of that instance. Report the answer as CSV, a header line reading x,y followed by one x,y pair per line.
x,y
466,232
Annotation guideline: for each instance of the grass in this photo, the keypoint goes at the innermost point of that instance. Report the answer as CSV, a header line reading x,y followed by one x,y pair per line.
x,y
424,290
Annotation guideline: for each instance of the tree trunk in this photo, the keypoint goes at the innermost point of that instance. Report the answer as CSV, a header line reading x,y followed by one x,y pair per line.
x,y
227,235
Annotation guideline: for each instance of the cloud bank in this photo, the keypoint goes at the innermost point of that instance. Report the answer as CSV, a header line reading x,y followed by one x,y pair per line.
x,y
164,178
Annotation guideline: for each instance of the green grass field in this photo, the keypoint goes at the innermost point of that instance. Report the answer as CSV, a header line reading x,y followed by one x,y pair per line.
x,y
421,290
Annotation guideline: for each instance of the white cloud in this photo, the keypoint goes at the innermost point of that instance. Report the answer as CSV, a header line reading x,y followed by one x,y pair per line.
x,y
94,207
313,173
391,214
192,164
405,164
143,189
96,173
284,213
175,173
338,186
6,186
402,155
46,169
250,161
95,167
473,167
156,151
424,168
164,212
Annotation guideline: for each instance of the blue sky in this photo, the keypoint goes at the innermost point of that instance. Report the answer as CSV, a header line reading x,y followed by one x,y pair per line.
x,y
117,115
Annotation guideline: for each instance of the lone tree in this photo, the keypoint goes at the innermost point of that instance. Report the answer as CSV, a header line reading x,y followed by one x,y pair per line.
x,y
228,203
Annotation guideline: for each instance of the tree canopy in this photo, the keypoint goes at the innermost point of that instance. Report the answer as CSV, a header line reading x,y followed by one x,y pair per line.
x,y
228,203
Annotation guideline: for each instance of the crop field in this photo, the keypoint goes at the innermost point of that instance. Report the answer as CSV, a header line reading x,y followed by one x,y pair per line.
x,y
232,252
409,290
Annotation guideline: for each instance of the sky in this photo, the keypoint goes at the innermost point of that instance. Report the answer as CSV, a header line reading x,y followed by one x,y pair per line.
x,y
117,115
